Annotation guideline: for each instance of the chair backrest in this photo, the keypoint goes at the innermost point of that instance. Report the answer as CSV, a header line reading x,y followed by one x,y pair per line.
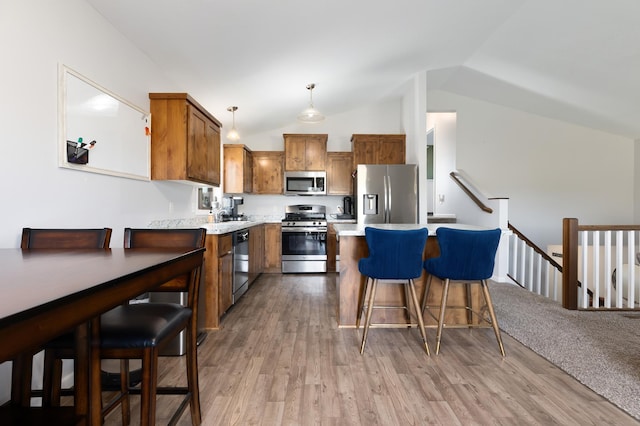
x,y
394,254
193,238
465,254
65,238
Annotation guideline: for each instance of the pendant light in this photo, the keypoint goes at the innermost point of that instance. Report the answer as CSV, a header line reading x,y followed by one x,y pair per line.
x,y
233,133
310,115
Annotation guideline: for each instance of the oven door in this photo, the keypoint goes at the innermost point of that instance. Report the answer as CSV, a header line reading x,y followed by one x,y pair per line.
x,y
304,250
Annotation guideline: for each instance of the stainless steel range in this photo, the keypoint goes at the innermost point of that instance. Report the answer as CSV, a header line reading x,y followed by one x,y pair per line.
x,y
304,239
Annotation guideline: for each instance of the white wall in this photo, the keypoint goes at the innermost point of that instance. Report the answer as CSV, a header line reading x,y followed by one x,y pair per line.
x,y
36,36
414,109
548,169
444,162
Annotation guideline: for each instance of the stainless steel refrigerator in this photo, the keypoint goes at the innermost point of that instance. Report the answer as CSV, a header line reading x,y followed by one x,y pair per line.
x,y
387,193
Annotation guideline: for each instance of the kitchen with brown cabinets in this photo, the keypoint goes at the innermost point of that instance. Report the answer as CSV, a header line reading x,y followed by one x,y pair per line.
x,y
261,173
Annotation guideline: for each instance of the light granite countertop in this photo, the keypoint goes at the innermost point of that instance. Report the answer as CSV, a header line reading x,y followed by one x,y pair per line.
x,y
217,228
357,230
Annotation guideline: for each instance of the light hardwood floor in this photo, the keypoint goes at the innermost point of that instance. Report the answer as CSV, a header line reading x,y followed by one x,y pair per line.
x,y
281,359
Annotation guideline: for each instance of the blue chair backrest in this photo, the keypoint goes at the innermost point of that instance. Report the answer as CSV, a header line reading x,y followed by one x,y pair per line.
x,y
393,254
464,254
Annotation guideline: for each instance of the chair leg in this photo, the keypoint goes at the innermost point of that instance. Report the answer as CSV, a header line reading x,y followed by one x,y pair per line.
x,y
361,302
124,391
443,304
51,379
21,373
149,387
192,377
426,293
367,320
492,314
414,297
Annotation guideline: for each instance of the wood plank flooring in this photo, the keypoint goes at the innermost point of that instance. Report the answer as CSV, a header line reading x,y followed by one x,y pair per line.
x,y
280,359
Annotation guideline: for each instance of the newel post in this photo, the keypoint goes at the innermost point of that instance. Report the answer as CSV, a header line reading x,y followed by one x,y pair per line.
x,y
570,263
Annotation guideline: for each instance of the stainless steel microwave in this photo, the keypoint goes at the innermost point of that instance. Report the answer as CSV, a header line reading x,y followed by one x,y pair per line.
x,y
305,183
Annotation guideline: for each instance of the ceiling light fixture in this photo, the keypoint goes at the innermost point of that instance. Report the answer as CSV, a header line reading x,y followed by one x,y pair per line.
x,y
310,115
233,133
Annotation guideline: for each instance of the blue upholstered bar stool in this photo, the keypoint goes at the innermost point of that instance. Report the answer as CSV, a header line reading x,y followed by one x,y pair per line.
x,y
396,256
467,257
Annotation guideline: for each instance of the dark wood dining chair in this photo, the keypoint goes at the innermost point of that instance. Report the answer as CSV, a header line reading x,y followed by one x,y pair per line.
x,y
42,238
139,331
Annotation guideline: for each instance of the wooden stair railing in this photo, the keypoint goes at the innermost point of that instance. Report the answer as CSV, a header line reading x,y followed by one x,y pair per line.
x,y
457,178
537,251
535,248
570,244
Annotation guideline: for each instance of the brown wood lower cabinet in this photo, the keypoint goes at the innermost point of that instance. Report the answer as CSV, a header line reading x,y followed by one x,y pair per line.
x,y
218,282
273,247
256,252
332,248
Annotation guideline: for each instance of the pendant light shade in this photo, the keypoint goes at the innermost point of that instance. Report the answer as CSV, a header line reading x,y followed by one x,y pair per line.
x,y
310,114
233,135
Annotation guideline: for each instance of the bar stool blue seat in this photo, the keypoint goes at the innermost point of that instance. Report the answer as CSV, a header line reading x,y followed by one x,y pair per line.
x,y
467,257
394,256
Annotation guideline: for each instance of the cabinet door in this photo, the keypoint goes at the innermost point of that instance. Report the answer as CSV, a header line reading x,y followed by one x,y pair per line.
x,y
203,148
273,247
268,177
316,153
391,149
225,280
364,150
332,248
339,168
295,149
256,252
305,152
247,171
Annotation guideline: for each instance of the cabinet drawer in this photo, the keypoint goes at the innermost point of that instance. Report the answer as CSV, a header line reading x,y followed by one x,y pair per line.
x,y
225,244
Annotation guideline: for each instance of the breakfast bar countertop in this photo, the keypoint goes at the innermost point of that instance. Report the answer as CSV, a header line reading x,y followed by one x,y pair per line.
x,y
357,229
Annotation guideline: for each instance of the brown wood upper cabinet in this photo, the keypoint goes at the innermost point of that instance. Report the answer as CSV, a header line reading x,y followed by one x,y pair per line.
x,y
268,174
238,169
185,140
339,168
305,152
378,149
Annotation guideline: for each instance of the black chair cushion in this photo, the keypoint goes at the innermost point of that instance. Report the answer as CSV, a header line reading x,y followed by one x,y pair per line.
x,y
142,325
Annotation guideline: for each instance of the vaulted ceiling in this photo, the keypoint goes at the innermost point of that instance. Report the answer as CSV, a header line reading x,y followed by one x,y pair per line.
x,y
574,60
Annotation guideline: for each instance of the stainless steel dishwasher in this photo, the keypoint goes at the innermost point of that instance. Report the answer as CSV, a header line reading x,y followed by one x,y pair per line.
x,y
240,263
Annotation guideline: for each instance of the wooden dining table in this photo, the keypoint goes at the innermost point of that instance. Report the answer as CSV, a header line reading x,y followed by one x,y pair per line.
x,y
47,292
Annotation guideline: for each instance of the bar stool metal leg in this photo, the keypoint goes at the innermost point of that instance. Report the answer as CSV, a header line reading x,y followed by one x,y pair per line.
x,y
367,320
414,297
443,304
492,314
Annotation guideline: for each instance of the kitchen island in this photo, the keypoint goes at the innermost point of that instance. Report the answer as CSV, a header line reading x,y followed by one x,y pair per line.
x,y
350,284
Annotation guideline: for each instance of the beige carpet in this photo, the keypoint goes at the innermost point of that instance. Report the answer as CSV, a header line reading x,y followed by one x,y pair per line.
x,y
600,349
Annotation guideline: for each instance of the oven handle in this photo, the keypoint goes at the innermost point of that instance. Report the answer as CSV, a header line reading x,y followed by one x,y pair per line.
x,y
303,229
